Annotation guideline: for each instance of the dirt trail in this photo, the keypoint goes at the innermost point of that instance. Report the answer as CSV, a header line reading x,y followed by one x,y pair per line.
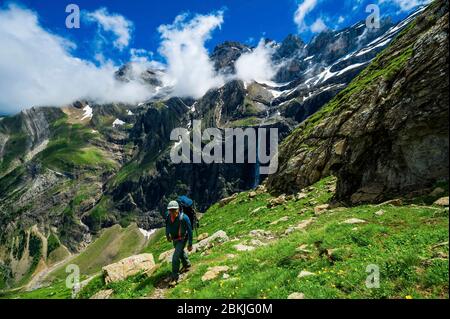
x,y
162,287
38,279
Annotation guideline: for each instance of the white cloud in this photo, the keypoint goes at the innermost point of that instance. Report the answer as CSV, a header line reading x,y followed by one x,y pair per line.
x,y
189,70
406,5
341,19
37,68
303,9
256,65
318,26
115,23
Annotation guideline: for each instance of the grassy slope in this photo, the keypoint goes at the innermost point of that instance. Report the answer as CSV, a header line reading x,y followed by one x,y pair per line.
x,y
402,242
70,148
114,243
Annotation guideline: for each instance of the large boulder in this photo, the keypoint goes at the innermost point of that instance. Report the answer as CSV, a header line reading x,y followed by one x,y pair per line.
x,y
128,267
218,237
442,201
166,256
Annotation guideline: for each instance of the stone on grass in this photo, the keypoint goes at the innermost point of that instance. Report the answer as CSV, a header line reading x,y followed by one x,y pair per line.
x,y
393,202
256,210
305,223
202,236
380,212
257,243
128,267
227,200
296,295
261,189
289,230
166,256
303,249
321,208
354,221
260,233
282,219
443,201
305,273
242,247
103,294
218,237
276,201
213,272
301,196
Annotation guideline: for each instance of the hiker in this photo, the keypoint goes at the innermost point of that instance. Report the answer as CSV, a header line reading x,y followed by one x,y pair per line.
x,y
179,231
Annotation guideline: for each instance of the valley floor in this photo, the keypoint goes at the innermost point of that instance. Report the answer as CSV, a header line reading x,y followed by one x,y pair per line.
x,y
302,248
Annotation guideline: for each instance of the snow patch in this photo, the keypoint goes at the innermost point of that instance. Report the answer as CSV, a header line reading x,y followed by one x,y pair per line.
x,y
364,51
118,122
147,233
193,107
350,67
87,112
129,112
275,93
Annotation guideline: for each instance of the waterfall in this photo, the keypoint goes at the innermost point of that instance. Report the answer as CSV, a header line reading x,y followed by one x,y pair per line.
x,y
256,179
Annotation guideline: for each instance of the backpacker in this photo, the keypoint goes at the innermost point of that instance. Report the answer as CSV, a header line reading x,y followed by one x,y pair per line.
x,y
187,207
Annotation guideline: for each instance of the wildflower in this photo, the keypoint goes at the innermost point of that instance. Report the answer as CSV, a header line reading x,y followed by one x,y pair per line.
x,y
409,297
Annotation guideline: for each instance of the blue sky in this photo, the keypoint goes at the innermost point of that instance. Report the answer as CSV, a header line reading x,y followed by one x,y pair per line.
x,y
244,20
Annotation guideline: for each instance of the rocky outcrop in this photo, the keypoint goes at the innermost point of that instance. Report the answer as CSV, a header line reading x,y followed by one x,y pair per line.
x,y
225,55
128,267
387,132
23,133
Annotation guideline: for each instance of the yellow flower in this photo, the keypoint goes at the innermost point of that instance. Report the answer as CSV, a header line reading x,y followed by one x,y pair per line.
x,y
409,297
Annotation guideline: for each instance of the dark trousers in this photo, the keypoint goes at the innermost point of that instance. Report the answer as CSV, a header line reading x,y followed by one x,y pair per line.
x,y
179,255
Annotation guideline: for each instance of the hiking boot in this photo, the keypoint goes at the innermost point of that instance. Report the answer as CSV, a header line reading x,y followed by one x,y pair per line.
x,y
173,283
185,269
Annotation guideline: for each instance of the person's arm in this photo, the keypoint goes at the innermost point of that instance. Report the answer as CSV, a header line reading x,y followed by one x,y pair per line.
x,y
165,214
189,229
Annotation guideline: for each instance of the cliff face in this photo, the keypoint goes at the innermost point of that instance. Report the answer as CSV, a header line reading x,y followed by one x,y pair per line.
x,y
387,132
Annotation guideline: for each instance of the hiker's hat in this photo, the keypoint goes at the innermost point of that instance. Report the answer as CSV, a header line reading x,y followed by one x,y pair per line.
x,y
173,205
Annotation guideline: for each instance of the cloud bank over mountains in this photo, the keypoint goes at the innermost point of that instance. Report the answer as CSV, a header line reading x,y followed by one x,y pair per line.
x,y
37,67
189,70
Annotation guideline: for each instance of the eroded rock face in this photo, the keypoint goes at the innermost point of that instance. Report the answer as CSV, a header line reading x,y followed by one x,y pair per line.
x,y
225,55
387,133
